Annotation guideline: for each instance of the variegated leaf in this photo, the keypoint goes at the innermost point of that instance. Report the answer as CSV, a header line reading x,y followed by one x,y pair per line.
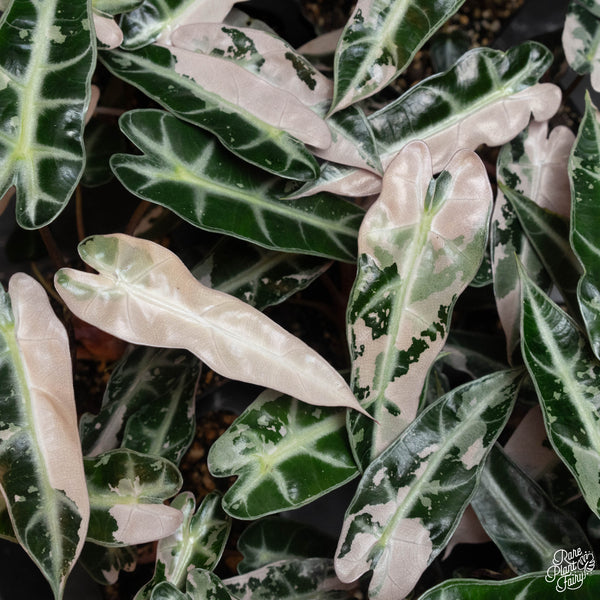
x,y
104,564
153,69
521,519
167,591
527,587
566,375
420,245
581,42
533,164
186,171
261,53
41,469
114,7
273,539
127,490
198,543
157,19
494,104
204,585
412,496
45,89
107,31
145,294
285,454
255,275
312,578
379,41
584,172
548,234
151,383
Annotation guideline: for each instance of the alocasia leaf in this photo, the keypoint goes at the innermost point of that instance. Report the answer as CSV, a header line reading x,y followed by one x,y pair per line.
x,y
548,234
533,164
153,70
581,41
198,543
107,31
495,103
585,240
127,490
285,454
379,41
312,578
521,519
261,53
156,19
45,89
146,381
41,469
412,496
273,539
255,275
186,171
566,375
532,586
167,591
420,245
145,294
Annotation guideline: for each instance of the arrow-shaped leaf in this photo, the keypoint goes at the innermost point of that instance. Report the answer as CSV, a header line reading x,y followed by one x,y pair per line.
x,y
186,171
420,245
198,543
145,294
41,468
379,41
153,69
566,375
285,454
45,89
412,496
127,491
585,187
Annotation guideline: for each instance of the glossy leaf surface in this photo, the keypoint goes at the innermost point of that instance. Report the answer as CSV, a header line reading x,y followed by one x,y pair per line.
x,y
379,41
566,374
535,165
186,171
41,467
45,91
273,539
258,276
145,294
520,518
153,70
312,578
548,234
494,104
150,383
204,585
158,18
284,453
127,490
104,564
527,587
412,496
197,544
114,7
581,42
585,185
420,245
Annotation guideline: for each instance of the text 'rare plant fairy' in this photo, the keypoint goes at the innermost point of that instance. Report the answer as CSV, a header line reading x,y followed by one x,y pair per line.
x,y
400,265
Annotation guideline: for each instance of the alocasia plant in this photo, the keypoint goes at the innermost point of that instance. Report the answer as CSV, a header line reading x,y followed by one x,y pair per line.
x,y
322,234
